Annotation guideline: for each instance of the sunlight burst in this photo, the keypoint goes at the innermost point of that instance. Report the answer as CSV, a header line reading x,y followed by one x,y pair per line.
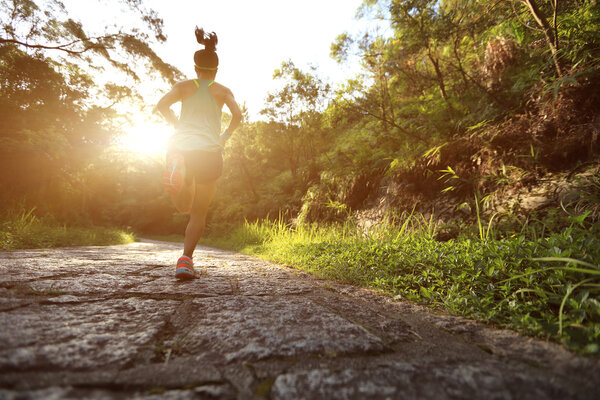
x,y
146,137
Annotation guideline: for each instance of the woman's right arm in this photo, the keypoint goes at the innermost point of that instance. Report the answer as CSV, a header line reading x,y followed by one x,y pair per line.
x,y
165,103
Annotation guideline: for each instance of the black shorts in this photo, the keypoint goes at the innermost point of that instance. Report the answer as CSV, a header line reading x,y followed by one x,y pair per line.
x,y
202,166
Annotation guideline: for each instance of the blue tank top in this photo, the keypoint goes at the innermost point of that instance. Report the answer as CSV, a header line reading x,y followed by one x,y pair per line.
x,y
199,125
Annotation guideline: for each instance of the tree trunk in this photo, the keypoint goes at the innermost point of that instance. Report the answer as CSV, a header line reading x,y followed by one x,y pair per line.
x,y
382,104
550,34
440,80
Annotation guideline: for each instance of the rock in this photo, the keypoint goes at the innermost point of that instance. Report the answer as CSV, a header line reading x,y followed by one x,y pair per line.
x,y
397,380
387,382
245,328
534,202
175,374
94,284
80,336
51,393
166,285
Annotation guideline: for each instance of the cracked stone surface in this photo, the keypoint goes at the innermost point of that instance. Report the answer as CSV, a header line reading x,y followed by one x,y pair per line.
x,y
274,328
113,323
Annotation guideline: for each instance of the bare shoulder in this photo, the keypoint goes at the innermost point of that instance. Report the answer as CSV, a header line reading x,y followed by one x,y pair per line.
x,y
221,90
181,84
185,88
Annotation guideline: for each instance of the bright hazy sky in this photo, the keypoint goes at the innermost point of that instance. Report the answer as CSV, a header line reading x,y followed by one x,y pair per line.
x,y
255,37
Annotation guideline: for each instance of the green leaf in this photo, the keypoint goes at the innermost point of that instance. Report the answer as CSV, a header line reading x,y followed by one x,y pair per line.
x,y
568,260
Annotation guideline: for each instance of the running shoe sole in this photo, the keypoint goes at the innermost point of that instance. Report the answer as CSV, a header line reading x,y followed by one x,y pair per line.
x,y
185,269
185,273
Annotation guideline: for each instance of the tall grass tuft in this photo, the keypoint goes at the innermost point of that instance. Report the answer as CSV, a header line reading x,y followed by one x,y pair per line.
x,y
21,228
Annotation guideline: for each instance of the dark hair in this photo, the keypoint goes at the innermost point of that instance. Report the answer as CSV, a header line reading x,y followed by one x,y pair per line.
x,y
207,57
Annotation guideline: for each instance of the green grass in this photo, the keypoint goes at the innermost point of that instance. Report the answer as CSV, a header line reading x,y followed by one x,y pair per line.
x,y
546,287
23,230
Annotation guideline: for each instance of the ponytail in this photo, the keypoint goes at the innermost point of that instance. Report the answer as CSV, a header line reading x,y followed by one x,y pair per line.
x,y
208,39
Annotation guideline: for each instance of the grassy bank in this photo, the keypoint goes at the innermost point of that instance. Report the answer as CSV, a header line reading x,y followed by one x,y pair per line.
x,y
547,287
23,230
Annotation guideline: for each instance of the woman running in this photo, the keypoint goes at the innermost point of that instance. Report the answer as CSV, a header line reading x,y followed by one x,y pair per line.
x,y
194,161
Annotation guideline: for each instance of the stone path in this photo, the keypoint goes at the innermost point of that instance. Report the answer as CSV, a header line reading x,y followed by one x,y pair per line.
x,y
112,322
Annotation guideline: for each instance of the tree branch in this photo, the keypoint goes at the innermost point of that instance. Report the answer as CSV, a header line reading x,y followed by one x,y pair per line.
x,y
62,47
555,22
516,14
465,75
393,123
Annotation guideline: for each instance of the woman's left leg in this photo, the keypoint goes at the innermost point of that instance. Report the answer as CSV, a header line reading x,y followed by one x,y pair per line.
x,y
201,200
184,199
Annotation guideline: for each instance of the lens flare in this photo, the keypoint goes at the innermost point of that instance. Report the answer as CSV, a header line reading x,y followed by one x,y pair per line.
x,y
146,137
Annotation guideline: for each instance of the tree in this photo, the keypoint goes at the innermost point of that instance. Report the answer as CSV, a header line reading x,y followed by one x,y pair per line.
x,y
44,26
295,111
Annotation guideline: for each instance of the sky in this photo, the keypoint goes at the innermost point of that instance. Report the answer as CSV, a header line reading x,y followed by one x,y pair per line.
x,y
255,37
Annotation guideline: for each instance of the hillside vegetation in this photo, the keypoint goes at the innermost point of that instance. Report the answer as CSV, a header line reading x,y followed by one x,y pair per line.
x,y
464,99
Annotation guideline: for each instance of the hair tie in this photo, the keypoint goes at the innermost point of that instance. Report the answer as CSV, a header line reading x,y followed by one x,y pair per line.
x,y
206,68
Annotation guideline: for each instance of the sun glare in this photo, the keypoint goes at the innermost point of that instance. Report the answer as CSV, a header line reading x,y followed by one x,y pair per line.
x,y
146,137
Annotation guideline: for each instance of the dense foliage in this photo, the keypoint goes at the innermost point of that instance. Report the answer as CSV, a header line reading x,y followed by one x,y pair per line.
x,y
481,87
56,120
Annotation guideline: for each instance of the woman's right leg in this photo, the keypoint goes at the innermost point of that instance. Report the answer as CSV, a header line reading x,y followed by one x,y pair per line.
x,y
201,200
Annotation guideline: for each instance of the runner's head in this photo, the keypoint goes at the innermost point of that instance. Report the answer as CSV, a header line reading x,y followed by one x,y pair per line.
x,y
206,60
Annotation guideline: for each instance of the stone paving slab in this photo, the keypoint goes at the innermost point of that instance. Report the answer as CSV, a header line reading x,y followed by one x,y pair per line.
x,y
167,285
105,283
410,381
113,323
79,336
274,327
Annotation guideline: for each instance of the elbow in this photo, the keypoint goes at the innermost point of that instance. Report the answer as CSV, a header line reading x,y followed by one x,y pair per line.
x,y
236,118
238,115
161,106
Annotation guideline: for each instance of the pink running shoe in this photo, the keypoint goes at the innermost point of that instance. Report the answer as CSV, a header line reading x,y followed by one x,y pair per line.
x,y
185,269
174,175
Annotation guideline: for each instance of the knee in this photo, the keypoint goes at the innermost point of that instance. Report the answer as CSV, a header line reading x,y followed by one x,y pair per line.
x,y
197,218
182,208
